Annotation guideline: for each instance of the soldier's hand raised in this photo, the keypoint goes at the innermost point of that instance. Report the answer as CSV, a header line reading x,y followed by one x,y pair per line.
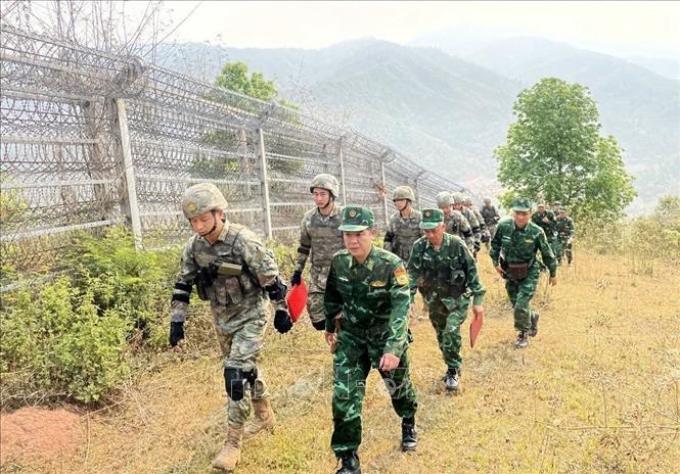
x,y
388,362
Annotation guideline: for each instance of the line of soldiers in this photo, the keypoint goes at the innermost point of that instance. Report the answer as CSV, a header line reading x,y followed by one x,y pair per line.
x,y
360,296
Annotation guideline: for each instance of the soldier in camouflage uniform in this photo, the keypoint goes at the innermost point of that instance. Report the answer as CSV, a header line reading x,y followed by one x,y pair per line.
x,y
490,216
233,270
513,253
458,200
367,299
455,222
444,271
565,236
319,239
485,237
403,230
545,219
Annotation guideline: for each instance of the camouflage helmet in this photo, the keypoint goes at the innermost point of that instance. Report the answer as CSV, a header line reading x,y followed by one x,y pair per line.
x,y
202,198
458,198
403,192
467,201
487,200
326,181
444,199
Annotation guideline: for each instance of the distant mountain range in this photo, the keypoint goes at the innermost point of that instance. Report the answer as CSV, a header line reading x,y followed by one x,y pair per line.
x,y
447,100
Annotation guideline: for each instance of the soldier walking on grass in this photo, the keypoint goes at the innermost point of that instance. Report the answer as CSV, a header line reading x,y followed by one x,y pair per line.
x,y
319,240
367,299
403,230
232,269
445,272
513,253
565,236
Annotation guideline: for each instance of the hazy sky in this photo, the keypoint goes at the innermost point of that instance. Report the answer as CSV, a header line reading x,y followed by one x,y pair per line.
x,y
640,27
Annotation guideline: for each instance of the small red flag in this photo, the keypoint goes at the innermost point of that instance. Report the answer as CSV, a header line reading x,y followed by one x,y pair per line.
x,y
475,327
297,300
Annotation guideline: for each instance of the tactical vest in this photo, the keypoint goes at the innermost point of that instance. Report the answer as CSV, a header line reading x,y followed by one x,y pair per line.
x,y
227,290
448,280
326,239
405,236
489,215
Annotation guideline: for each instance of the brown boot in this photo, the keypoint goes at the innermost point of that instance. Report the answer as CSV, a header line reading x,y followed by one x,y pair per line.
x,y
264,418
228,458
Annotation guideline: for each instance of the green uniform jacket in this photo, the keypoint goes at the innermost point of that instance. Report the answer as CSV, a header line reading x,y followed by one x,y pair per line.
x,y
435,272
564,228
520,245
370,295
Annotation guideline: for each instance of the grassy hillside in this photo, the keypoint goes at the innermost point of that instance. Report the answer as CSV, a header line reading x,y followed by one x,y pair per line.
x,y
597,391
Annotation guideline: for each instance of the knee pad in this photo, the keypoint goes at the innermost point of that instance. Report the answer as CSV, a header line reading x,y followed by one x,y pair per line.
x,y
235,381
319,325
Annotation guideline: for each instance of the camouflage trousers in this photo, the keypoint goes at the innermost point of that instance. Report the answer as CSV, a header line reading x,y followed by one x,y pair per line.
x,y
356,353
446,323
241,349
317,286
562,248
520,293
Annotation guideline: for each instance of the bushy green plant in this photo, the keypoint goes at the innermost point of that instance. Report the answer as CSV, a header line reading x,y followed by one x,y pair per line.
x,y
56,344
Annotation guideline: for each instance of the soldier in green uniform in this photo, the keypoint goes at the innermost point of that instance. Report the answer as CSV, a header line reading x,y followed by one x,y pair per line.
x,y
444,271
403,230
565,236
546,220
513,253
367,297
319,239
455,222
232,269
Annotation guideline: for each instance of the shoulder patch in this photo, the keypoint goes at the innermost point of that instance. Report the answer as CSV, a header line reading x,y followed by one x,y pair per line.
x,y
400,276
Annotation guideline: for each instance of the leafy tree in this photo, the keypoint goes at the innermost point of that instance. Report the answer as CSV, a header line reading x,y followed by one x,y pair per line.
x,y
234,76
554,151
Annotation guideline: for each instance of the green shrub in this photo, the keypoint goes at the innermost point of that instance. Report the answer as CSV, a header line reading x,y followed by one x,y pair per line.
x,y
56,344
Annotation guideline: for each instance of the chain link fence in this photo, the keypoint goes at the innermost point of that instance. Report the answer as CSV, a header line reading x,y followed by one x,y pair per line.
x,y
91,140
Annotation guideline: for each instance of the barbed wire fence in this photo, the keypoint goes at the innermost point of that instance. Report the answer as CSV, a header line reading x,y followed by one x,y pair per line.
x,y
92,139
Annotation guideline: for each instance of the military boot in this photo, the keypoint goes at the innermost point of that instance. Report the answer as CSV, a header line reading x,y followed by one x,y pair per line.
x,y
350,463
409,435
264,418
451,380
228,458
534,324
521,341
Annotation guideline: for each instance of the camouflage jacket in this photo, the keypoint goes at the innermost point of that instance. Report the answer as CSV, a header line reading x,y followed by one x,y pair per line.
x,y
548,227
229,296
320,239
490,215
402,233
480,219
444,275
472,219
564,226
372,296
457,224
515,245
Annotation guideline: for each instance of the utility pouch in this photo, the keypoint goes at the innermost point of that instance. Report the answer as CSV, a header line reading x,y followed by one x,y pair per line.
x,y
204,279
229,269
518,271
457,284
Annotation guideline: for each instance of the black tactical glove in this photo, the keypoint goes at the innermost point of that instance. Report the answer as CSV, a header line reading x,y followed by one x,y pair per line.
x,y
176,333
282,321
296,279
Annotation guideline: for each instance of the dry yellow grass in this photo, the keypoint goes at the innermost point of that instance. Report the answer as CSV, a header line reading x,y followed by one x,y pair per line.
x,y
597,391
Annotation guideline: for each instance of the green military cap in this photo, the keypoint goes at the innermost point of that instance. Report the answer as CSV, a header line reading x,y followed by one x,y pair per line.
x,y
431,218
521,204
356,219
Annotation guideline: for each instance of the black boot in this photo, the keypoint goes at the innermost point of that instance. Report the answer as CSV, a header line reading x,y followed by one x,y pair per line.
x,y
522,341
350,463
451,380
409,435
534,324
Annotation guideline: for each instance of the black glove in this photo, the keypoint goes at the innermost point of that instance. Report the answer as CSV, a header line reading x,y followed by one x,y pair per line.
x,y
176,333
282,321
296,279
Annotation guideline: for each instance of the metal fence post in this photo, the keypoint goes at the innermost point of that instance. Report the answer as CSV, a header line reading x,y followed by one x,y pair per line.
x,y
341,159
384,183
129,202
265,186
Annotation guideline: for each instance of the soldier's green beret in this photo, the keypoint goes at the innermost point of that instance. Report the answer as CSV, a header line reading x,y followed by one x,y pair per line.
x,y
356,219
431,218
521,204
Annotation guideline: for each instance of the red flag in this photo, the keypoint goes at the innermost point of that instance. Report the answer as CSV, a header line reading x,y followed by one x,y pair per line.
x,y
297,300
475,327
